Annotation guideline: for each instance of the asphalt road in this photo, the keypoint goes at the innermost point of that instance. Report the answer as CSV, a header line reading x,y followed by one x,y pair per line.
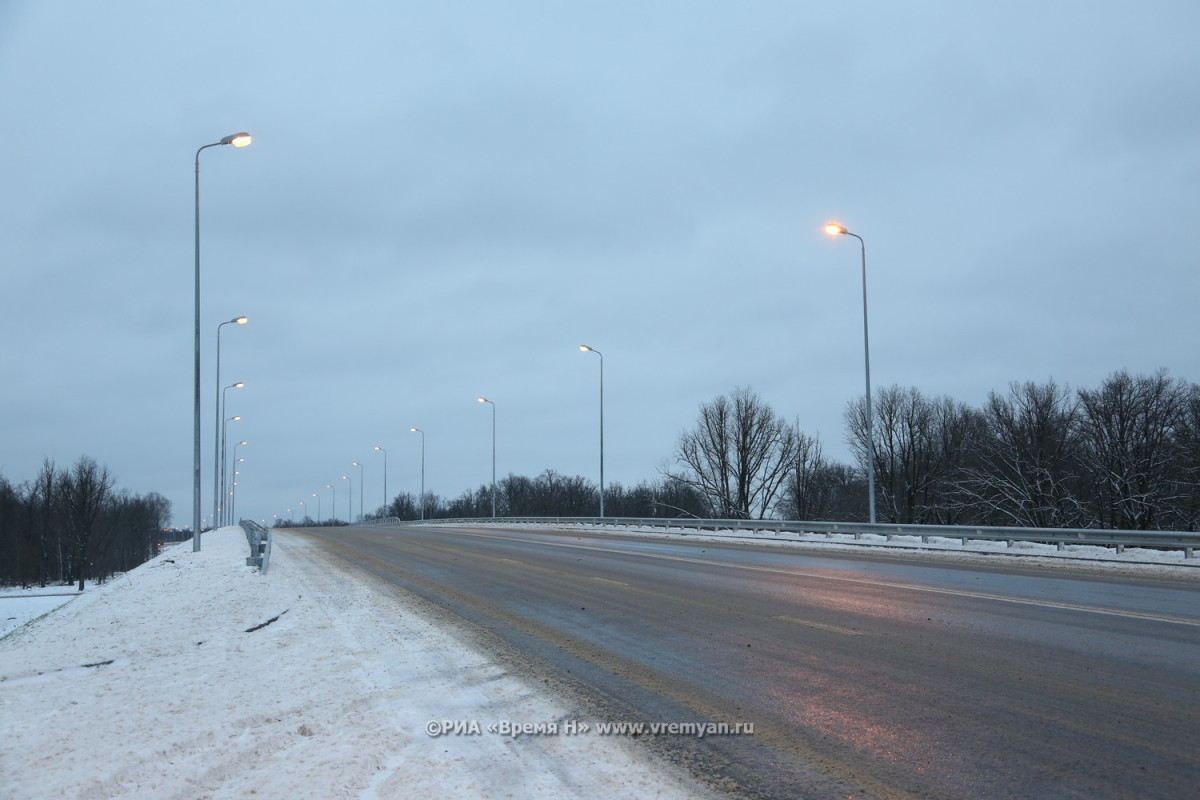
x,y
864,676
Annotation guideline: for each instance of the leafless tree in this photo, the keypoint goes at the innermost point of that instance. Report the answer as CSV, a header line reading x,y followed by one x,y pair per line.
x,y
84,494
1027,471
1129,428
738,455
919,445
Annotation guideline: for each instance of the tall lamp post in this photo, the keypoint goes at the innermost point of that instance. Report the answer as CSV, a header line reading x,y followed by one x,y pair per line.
x,y
333,502
418,430
587,349
361,514
493,405
318,496
221,485
349,499
385,494
303,512
233,483
218,411
237,140
834,229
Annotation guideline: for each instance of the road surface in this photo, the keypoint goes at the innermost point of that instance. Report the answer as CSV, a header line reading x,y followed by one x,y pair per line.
x,y
864,676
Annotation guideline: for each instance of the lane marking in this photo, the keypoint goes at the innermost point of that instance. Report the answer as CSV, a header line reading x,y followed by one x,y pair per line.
x,y
1115,612
612,582
820,626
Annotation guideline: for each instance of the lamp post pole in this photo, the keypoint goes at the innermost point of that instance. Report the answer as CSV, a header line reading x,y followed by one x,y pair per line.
x,y
221,489
349,499
418,430
318,496
493,405
233,483
587,349
218,410
332,502
237,140
385,494
361,513
834,229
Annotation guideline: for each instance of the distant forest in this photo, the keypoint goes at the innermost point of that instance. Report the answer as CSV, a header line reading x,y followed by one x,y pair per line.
x,y
71,525
1123,455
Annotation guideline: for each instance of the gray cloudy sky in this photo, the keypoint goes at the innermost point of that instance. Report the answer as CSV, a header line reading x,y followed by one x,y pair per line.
x,y
444,200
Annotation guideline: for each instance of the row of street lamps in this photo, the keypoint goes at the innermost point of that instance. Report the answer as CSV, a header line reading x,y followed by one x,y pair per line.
x,y
242,139
585,348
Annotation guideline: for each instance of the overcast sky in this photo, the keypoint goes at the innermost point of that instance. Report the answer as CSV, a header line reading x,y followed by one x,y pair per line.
x,y
444,200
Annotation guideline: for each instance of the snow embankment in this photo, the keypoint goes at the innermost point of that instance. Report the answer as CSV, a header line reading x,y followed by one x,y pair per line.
x,y
196,676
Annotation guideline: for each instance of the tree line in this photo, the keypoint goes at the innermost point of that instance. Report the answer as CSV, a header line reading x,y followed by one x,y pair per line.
x,y
72,524
1123,455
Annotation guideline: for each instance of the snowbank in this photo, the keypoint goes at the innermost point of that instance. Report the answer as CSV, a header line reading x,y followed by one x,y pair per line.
x,y
196,677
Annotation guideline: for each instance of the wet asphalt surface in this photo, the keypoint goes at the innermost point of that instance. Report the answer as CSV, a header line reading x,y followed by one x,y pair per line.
x,y
863,676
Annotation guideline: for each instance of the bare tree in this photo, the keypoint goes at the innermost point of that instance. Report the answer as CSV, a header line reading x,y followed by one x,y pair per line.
x,y
1027,469
84,492
738,455
807,494
919,445
1129,428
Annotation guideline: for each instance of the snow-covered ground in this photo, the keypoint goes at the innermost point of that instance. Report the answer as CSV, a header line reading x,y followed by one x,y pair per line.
x,y
195,676
167,683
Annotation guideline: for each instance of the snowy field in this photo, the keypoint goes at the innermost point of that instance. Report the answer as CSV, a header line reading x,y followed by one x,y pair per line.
x,y
161,684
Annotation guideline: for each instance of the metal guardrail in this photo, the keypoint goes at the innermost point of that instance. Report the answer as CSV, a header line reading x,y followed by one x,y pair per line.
x,y
1187,541
259,539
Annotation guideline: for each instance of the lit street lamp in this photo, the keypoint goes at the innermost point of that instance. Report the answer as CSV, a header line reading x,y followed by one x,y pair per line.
x,y
361,514
385,494
834,229
418,430
237,140
333,503
493,405
349,499
218,411
224,440
587,349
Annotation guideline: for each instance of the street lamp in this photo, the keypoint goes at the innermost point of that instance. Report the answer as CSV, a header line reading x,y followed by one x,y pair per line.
x,y
587,349
233,483
834,229
493,405
332,503
237,140
303,512
385,495
418,430
221,416
218,410
349,499
318,496
361,514
224,426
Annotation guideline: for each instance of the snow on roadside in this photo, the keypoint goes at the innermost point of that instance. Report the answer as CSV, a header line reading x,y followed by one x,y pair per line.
x,y
1166,563
196,676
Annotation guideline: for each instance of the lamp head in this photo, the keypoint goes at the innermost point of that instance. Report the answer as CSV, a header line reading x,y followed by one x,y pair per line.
x,y
241,320
238,139
833,229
